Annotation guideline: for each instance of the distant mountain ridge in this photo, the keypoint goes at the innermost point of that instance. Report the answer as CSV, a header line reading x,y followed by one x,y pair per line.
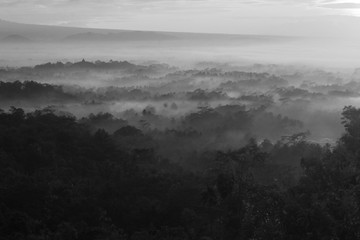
x,y
59,33
122,36
46,33
15,38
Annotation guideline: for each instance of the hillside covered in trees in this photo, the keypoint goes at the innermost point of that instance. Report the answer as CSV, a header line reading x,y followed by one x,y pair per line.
x,y
119,150
67,178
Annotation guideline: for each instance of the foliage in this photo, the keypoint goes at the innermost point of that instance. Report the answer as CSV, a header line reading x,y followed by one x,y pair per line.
x,y
60,178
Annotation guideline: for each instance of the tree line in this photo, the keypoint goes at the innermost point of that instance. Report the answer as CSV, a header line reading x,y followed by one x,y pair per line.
x,y
61,179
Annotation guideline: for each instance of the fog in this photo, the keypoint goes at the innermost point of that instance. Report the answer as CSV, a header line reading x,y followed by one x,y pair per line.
x,y
227,88
110,134
327,53
280,99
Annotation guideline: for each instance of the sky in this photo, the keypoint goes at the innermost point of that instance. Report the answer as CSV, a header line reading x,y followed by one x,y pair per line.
x,y
278,17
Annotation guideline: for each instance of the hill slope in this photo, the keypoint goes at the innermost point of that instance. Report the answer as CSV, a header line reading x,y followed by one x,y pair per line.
x,y
15,38
59,33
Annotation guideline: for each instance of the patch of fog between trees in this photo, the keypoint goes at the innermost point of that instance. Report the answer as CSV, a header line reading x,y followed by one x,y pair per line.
x,y
162,95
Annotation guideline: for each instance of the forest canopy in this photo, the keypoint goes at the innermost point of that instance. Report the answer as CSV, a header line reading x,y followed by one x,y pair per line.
x,y
65,178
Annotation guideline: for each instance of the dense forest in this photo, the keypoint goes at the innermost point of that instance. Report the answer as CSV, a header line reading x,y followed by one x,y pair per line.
x,y
68,178
120,150
310,98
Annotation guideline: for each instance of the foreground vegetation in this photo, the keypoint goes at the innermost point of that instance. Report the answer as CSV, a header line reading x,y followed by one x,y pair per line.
x,y
61,179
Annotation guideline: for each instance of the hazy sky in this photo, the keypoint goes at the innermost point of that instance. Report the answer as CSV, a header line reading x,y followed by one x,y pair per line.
x,y
226,16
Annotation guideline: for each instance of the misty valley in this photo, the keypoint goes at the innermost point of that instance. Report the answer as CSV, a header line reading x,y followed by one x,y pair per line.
x,y
215,120
230,103
127,150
